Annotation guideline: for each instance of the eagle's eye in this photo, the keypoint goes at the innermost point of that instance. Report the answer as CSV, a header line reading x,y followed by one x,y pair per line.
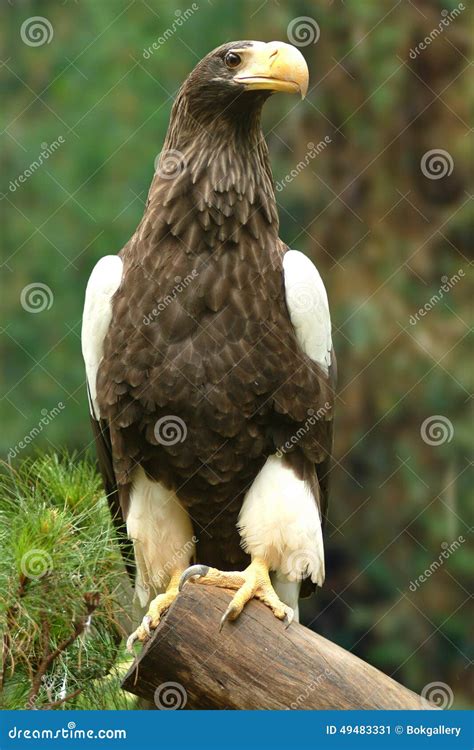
x,y
232,59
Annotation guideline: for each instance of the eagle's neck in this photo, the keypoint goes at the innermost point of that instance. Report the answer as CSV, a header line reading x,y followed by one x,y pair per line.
x,y
213,184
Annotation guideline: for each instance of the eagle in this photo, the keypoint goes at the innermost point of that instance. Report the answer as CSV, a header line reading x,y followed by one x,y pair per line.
x,y
209,360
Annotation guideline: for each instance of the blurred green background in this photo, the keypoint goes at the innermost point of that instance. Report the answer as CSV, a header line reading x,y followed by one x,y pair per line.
x,y
386,230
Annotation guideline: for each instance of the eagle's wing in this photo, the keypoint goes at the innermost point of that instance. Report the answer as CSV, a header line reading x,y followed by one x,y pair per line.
x,y
308,308
103,282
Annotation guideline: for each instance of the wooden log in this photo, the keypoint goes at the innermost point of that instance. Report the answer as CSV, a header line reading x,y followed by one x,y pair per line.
x,y
253,663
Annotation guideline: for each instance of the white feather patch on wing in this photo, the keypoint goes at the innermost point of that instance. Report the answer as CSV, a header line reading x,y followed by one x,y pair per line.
x,y
279,521
162,535
103,283
307,303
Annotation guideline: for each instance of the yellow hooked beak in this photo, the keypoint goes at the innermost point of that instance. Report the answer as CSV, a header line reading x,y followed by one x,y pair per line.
x,y
275,66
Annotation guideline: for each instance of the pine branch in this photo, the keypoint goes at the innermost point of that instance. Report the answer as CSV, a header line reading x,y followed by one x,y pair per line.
x,y
91,601
59,702
9,621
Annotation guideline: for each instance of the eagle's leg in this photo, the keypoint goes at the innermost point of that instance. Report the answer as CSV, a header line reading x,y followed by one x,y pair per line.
x,y
252,583
156,610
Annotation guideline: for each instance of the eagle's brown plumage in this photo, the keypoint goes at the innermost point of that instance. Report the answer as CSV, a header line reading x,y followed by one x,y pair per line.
x,y
221,353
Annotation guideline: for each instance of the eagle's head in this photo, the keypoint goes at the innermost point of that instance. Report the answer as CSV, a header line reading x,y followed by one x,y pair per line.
x,y
236,78
214,148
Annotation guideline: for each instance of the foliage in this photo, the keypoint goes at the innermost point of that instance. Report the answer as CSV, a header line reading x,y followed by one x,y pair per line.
x,y
62,587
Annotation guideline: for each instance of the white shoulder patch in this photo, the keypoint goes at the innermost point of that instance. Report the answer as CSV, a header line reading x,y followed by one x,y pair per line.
x,y
103,283
307,303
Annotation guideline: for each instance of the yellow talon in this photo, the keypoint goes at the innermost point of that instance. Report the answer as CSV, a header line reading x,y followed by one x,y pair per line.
x,y
156,610
251,583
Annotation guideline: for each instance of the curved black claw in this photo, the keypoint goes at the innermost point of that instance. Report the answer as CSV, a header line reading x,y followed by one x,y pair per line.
x,y
146,624
130,641
288,618
194,571
231,610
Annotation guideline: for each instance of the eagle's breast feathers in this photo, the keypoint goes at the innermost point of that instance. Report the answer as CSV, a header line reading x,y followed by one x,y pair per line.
x,y
266,483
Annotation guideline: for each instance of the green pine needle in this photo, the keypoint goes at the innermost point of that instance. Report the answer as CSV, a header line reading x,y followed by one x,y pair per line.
x,y
58,551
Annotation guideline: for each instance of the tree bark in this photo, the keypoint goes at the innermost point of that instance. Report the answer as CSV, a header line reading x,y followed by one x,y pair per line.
x,y
253,663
